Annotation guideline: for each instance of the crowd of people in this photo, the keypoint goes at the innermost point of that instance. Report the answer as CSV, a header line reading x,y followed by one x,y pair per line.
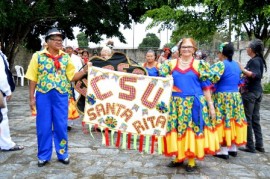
x,y
214,109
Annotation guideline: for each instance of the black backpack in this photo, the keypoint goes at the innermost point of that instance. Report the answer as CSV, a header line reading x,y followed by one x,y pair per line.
x,y
9,75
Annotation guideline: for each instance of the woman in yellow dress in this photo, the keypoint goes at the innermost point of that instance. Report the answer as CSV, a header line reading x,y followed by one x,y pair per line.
x,y
190,129
231,120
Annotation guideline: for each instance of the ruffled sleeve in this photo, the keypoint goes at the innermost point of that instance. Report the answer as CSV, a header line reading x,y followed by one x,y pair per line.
x,y
204,74
217,71
166,68
158,65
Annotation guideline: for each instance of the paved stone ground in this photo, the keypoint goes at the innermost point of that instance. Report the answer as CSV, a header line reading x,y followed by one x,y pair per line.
x,y
89,159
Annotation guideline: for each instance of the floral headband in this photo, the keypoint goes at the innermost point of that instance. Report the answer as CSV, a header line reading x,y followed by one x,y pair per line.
x,y
222,45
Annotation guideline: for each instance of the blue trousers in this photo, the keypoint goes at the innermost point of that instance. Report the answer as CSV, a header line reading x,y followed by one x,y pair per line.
x,y
51,122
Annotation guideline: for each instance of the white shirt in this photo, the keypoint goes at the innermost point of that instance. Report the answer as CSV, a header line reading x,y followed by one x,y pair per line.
x,y
4,86
76,60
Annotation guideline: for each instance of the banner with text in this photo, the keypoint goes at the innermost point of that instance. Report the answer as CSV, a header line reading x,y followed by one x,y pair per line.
x,y
129,103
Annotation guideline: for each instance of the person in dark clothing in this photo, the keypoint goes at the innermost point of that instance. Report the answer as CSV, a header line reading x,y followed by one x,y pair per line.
x,y
252,95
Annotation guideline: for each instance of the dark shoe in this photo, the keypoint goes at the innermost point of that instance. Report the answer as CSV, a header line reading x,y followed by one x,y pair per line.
x,y
65,161
222,156
247,150
232,153
190,168
99,130
173,164
42,163
69,128
15,148
260,149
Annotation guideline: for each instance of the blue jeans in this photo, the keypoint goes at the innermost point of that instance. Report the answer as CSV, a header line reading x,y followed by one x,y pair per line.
x,y
252,102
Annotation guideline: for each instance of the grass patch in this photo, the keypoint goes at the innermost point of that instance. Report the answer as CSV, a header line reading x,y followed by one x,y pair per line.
x,y
266,88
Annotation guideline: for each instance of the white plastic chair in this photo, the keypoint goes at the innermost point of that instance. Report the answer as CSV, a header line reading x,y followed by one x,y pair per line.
x,y
20,74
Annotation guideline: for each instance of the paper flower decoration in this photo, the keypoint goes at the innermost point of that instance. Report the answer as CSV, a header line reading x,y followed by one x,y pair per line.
x,y
110,122
162,107
91,99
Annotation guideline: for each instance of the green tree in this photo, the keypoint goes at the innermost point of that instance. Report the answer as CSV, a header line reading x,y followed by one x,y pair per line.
x,y
150,41
201,19
23,21
169,45
82,40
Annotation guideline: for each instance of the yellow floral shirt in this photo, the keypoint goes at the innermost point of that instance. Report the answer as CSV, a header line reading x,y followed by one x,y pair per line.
x,y
41,70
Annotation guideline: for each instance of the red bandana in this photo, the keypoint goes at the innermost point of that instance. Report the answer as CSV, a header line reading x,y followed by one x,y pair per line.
x,y
85,60
56,60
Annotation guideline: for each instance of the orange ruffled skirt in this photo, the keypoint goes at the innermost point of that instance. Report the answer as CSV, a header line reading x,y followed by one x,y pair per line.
x,y
72,110
190,134
189,145
231,121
